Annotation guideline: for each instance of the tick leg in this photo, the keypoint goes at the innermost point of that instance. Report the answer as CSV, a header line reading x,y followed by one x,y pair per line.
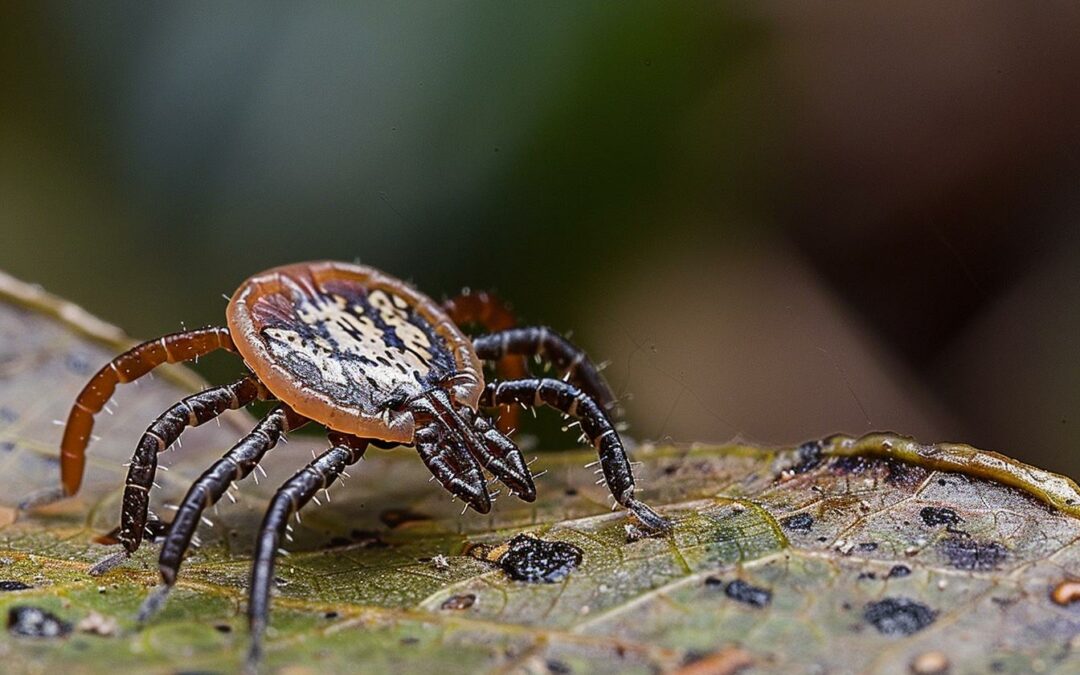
x,y
236,465
570,400
192,411
289,498
481,308
569,360
127,367
488,311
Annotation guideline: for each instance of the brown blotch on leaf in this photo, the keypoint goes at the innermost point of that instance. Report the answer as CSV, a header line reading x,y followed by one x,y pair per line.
x,y
394,518
1066,593
483,552
724,662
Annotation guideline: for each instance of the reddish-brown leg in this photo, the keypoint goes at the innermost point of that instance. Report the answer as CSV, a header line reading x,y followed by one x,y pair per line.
x,y
487,310
127,367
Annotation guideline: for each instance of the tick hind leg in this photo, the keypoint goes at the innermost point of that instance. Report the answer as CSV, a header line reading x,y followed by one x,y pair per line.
x,y
289,499
572,401
569,360
234,466
488,311
127,367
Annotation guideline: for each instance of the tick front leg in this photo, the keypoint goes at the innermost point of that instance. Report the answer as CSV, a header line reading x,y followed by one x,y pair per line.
x,y
192,411
596,426
289,499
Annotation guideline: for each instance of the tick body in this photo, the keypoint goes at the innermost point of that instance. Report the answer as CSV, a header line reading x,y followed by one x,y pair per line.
x,y
373,361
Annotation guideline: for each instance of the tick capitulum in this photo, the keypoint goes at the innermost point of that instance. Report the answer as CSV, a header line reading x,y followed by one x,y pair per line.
x,y
373,361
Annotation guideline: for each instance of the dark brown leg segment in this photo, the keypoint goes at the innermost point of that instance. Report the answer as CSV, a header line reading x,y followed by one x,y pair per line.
x,y
127,367
236,465
192,411
569,360
290,497
596,426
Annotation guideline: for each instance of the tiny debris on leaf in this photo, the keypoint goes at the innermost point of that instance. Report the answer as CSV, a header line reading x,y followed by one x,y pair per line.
x,y
97,624
458,602
930,663
1066,593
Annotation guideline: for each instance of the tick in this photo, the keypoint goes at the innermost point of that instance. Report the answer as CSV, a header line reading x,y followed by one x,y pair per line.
x,y
375,362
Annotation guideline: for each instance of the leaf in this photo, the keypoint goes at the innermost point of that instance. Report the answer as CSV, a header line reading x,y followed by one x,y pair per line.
x,y
834,557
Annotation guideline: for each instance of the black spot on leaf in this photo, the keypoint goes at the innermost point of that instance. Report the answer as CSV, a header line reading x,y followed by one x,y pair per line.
x,y
967,554
741,591
898,571
25,621
808,456
851,465
537,561
902,474
898,616
934,516
13,586
800,522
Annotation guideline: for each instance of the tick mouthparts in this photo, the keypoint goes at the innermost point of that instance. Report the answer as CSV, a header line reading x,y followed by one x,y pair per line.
x,y
473,489
519,478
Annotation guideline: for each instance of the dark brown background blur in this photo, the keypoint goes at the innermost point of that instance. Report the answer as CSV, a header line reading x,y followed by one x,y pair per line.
x,y
775,222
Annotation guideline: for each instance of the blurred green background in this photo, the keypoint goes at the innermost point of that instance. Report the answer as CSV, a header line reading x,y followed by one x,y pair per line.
x,y
775,222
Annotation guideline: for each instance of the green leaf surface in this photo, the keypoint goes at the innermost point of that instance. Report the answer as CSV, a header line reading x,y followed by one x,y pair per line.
x,y
837,558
